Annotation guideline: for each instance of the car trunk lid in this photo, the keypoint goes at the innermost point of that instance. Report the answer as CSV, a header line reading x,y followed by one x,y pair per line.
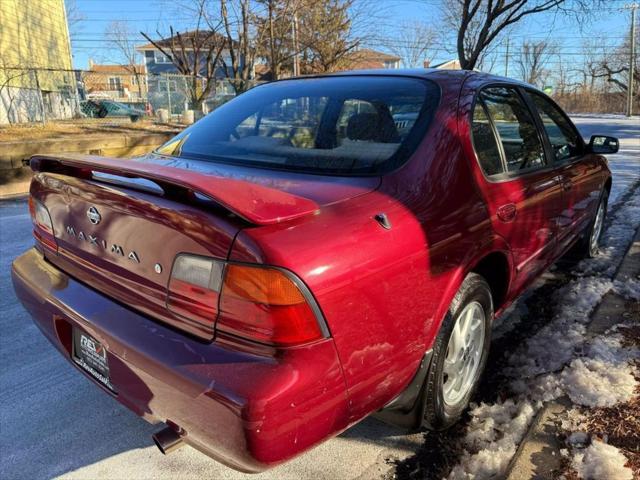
x,y
119,224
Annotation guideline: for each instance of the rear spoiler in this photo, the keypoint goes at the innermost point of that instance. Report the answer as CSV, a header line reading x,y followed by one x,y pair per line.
x,y
254,203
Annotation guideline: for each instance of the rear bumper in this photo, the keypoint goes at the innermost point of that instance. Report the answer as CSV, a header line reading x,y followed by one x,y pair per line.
x,y
247,407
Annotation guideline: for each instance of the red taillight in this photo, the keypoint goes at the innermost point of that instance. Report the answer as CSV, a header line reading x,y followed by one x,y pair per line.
x,y
194,288
43,227
266,305
257,303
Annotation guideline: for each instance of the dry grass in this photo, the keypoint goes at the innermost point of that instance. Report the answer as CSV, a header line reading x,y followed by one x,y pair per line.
x,y
59,129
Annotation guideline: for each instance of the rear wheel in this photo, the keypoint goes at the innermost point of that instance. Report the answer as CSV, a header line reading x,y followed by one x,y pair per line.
x,y
459,354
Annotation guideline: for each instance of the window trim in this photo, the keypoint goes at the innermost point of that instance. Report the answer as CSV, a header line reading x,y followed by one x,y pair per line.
x,y
582,145
507,176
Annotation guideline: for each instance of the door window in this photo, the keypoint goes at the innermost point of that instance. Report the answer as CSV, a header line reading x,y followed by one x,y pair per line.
x,y
564,138
485,142
515,127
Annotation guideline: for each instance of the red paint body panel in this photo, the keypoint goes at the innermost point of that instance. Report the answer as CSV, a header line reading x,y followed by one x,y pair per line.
x,y
383,292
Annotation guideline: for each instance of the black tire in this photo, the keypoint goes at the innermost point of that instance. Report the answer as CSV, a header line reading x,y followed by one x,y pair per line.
x,y
134,118
586,248
438,414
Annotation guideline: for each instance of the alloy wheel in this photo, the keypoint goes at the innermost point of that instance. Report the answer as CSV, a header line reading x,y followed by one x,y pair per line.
x,y
464,352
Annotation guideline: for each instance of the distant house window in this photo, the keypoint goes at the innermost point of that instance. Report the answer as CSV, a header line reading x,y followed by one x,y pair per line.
x,y
115,83
172,87
162,58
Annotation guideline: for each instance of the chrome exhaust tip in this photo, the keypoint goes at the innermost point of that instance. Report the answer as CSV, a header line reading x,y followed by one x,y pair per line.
x,y
167,440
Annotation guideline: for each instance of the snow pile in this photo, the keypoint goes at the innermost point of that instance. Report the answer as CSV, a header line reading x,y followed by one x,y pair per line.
x,y
594,383
553,346
601,377
600,461
492,438
604,377
629,288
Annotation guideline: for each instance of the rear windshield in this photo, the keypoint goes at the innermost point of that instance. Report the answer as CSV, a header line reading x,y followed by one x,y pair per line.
x,y
340,125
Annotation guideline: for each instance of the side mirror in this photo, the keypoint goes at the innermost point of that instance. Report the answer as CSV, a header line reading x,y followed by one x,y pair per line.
x,y
603,144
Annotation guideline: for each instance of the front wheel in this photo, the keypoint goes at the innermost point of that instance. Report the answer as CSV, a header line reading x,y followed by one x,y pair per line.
x,y
459,354
591,242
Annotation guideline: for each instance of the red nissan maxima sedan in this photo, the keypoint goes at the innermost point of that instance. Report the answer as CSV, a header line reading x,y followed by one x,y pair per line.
x,y
312,252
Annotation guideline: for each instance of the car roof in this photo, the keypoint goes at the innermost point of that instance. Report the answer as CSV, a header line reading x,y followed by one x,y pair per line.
x,y
440,75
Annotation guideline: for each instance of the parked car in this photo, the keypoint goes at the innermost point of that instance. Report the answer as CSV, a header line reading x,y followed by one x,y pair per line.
x,y
259,293
108,108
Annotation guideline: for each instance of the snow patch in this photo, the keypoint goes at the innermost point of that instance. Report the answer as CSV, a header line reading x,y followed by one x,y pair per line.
x,y
629,288
604,377
554,345
601,461
492,438
595,383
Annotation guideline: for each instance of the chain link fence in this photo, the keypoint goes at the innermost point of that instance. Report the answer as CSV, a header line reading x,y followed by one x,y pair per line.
x,y
117,96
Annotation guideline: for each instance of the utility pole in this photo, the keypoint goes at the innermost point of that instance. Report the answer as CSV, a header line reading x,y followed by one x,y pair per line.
x,y
632,56
167,77
506,60
296,58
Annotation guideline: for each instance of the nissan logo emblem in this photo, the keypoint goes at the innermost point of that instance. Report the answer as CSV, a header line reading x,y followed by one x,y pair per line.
x,y
94,215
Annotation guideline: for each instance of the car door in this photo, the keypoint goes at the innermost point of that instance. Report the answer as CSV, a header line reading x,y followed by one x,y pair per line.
x,y
578,172
522,193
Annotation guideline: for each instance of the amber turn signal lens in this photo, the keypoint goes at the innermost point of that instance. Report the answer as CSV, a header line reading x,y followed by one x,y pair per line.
x,y
261,285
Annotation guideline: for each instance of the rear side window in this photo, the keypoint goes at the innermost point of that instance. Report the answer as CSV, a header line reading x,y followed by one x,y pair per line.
x,y
332,125
563,137
515,127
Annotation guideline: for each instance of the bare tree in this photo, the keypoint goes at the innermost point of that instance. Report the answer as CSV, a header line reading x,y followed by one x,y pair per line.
x,y
414,44
614,67
195,54
326,34
479,23
74,18
276,31
533,59
237,18
323,32
120,37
